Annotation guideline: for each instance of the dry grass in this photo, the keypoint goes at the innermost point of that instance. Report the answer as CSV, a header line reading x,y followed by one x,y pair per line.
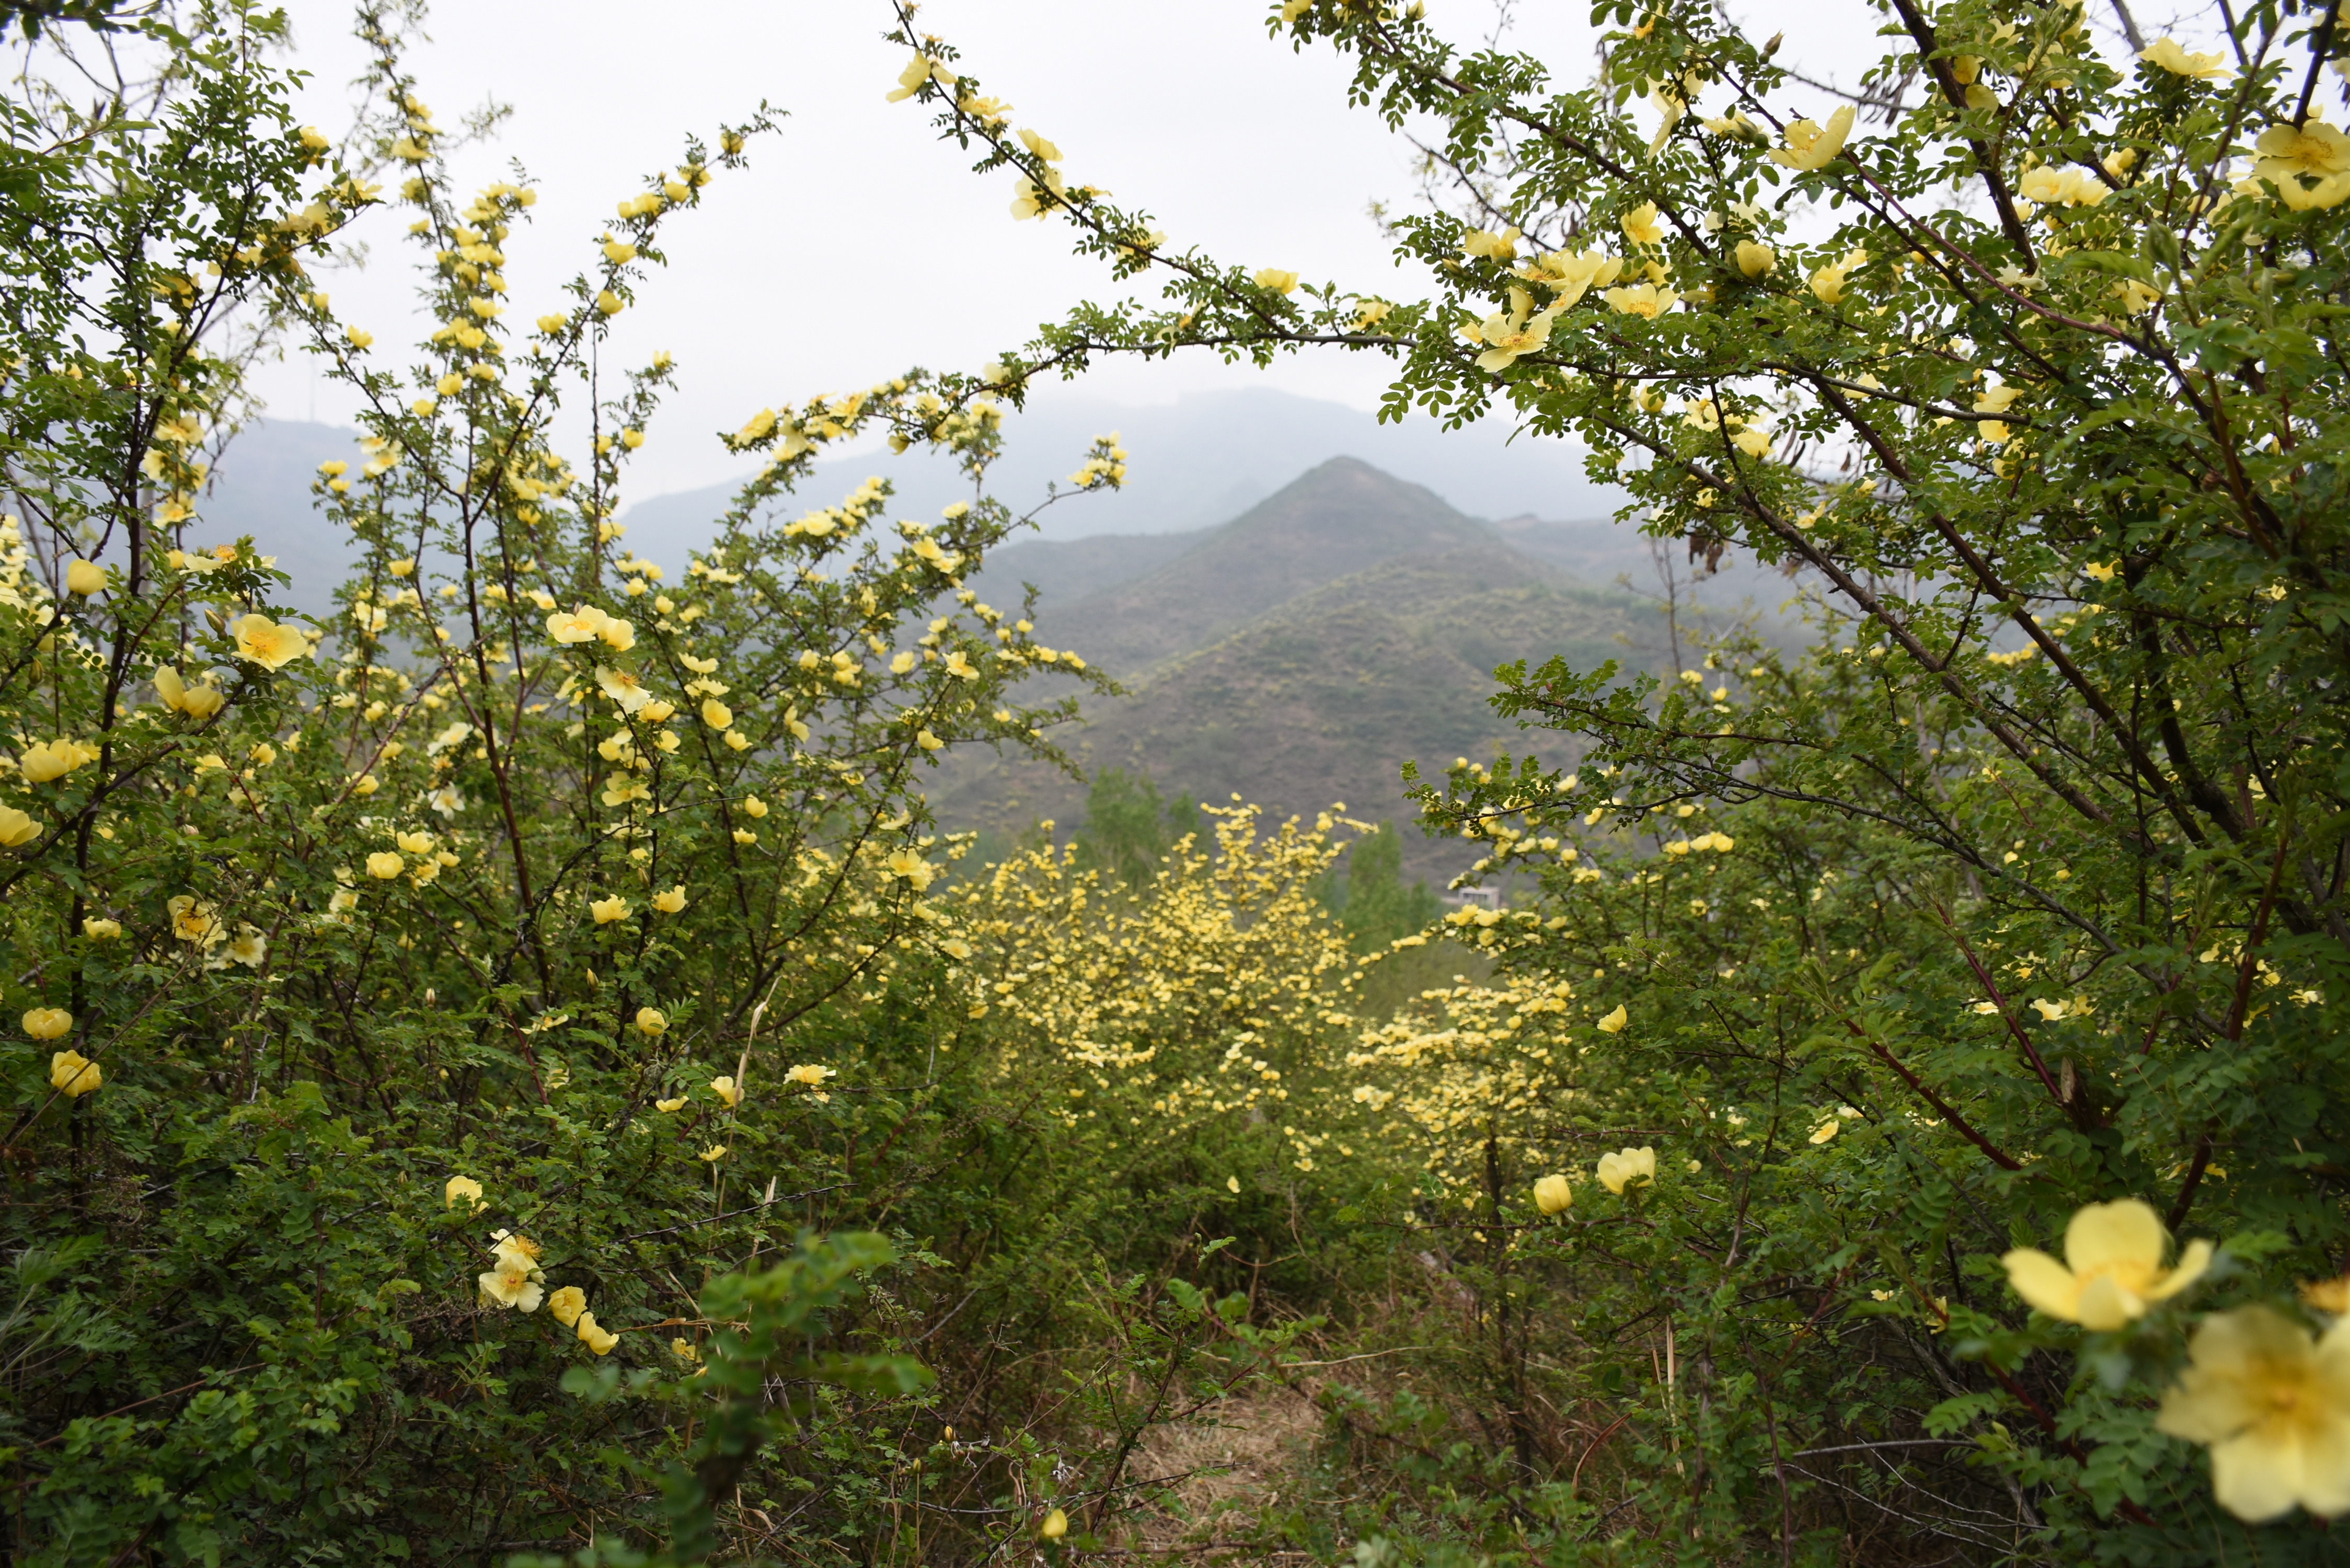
x,y
1234,1457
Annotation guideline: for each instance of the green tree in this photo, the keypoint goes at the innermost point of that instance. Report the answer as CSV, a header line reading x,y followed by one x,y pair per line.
x,y
1376,907
1128,827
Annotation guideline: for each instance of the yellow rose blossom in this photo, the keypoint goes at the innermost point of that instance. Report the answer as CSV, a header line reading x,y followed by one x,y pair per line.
x,y
584,623
2272,1401
667,1107
48,1022
1812,145
1613,1023
2112,1272
1055,1525
808,1073
383,865
607,910
593,1335
672,901
1631,1166
623,688
714,1153
192,921
1507,335
95,929
1569,274
753,807
960,667
1755,258
716,714
1277,280
652,1022
608,304
463,1186
84,577
726,1089
271,644
927,741
2315,151
566,1305
1553,1195
1826,1130
2172,57
16,828
73,1075
1642,227
1646,300
513,1281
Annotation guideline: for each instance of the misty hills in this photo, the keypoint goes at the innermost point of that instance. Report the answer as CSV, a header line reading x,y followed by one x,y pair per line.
x,y
1299,655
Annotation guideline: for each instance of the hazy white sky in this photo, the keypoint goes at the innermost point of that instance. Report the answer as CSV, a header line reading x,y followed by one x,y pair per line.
x,y
856,244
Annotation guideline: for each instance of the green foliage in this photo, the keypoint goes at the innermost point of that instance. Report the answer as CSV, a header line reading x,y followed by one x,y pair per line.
x,y
1128,829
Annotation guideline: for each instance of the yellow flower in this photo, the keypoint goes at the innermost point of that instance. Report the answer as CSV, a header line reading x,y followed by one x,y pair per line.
x,y
1278,281
1040,146
619,252
1552,1195
1826,1130
2050,186
716,714
623,688
1508,334
413,842
726,1089
2317,150
1632,1166
198,702
2331,1296
753,807
84,577
2272,1401
2167,53
607,910
666,1107
383,865
566,1305
192,921
736,741
2114,1255
45,761
73,1075
808,1074
1647,300
921,70
683,1350
1499,247
745,835
271,644
512,1282
1755,259
927,741
2051,1011
463,1186
671,902
1569,274
608,303
1641,225
48,1022
1829,281
1613,1023
714,1153
584,623
16,828
960,666
101,931
592,1335
1055,1525
909,865
651,1021
1811,145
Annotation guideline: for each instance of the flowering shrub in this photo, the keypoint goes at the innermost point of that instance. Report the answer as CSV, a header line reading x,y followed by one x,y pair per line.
x,y
2026,356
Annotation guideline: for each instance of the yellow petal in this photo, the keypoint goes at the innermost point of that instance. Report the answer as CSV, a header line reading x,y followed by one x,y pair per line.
x,y
2126,1234
2044,1283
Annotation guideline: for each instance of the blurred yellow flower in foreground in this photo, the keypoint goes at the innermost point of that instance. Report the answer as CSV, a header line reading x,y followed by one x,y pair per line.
x,y
1553,1195
593,1335
726,1089
1613,1023
1625,1169
1811,145
566,1305
2112,1270
2272,1401
73,1075
463,1186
